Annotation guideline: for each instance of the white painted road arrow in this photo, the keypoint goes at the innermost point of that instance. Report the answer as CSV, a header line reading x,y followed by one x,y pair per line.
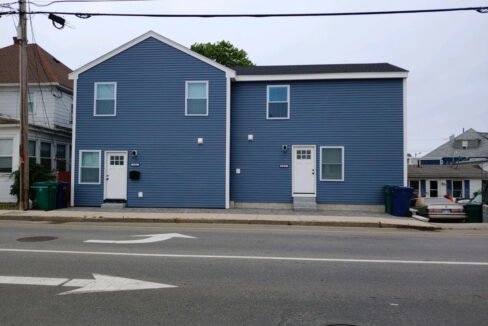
x,y
100,283
152,238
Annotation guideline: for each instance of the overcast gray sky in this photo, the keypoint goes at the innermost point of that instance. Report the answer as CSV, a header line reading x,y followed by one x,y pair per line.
x,y
446,53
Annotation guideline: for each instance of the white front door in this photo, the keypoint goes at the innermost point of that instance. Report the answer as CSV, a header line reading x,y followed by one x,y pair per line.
x,y
115,175
303,170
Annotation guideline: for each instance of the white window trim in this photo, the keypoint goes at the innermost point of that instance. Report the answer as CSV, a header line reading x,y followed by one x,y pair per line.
x,y
99,166
267,102
12,155
95,100
343,164
186,98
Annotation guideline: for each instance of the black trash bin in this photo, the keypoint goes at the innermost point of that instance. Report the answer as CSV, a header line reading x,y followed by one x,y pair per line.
x,y
62,192
401,197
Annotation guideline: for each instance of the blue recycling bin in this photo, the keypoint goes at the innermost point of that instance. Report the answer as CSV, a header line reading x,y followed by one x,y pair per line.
x,y
401,197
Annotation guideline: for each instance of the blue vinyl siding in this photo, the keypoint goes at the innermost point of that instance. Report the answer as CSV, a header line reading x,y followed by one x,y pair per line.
x,y
364,116
175,170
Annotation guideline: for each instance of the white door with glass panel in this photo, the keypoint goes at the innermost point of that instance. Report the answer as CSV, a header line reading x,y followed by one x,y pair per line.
x,y
115,175
303,170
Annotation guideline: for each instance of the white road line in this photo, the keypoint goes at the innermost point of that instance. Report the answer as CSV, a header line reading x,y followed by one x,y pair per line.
x,y
32,280
330,260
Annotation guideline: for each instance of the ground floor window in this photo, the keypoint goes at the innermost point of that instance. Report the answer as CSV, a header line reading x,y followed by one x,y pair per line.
x,y
331,163
434,190
32,152
46,157
415,184
60,157
457,188
89,167
6,152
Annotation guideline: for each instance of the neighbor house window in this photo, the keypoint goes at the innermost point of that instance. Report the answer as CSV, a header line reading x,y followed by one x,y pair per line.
x,y
415,184
457,188
331,163
30,103
434,190
89,167
105,99
278,106
6,151
46,157
60,157
196,98
32,152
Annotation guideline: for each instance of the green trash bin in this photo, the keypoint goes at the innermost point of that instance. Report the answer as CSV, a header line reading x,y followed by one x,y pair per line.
x,y
474,213
388,198
45,194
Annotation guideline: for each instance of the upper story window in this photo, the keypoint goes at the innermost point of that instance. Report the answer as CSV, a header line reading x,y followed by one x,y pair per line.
x,y
196,98
6,151
46,157
30,103
105,99
278,102
331,163
466,144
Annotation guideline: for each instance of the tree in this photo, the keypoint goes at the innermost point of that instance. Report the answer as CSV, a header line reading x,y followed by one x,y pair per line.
x,y
224,53
36,173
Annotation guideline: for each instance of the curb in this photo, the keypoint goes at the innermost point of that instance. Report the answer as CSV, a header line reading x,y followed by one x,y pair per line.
x,y
64,219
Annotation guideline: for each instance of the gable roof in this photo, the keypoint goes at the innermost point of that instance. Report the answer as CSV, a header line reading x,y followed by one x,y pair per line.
x,y
462,171
449,150
42,66
74,75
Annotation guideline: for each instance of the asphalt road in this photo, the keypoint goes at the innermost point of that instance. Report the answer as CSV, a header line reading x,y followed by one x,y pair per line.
x,y
244,275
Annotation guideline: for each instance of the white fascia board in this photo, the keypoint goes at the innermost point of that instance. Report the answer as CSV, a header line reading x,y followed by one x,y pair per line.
x,y
358,75
228,72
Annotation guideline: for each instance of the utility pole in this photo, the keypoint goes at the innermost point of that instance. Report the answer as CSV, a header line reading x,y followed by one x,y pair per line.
x,y
24,114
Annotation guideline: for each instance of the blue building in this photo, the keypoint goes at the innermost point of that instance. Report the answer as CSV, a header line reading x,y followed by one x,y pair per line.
x,y
158,125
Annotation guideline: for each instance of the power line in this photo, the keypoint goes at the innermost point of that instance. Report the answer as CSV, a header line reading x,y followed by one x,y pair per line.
x,y
480,9
37,4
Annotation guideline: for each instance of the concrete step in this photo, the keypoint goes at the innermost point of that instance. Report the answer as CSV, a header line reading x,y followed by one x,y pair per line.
x,y
304,204
113,205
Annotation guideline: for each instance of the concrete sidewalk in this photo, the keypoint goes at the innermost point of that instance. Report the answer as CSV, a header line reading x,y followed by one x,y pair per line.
x,y
233,216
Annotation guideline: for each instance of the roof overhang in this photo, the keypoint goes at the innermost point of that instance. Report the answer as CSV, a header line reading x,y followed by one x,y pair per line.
x,y
74,75
356,75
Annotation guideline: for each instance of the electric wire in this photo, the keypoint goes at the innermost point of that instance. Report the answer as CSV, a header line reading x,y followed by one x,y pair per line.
x,y
37,4
480,9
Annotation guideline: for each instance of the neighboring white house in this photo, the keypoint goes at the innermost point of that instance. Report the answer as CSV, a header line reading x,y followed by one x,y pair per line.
x,y
50,113
458,167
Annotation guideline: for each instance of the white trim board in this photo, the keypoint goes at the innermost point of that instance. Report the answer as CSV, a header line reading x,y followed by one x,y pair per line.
x,y
74,75
356,75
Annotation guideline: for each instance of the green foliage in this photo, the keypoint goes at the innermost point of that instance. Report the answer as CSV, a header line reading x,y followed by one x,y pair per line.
x,y
36,173
224,53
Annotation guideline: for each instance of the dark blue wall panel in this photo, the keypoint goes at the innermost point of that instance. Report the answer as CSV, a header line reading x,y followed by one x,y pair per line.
x,y
175,171
364,116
